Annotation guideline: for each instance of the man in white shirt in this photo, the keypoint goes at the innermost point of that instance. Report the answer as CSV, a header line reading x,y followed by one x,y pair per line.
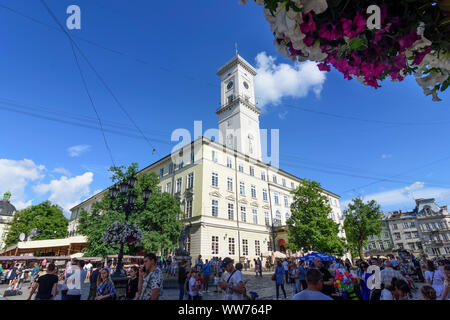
x,y
234,282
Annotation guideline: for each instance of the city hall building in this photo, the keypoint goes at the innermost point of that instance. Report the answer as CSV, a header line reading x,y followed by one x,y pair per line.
x,y
235,204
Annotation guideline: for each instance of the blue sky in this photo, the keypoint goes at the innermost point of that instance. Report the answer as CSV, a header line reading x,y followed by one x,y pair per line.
x,y
161,62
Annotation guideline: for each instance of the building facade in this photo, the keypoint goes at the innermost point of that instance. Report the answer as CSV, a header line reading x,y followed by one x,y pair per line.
x,y
404,231
6,215
235,204
433,222
380,244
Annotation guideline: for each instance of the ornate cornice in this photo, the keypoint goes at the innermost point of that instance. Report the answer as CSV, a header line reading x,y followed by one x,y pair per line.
x,y
238,100
235,61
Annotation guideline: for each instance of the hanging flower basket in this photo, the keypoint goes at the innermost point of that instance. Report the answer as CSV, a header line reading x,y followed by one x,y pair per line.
x,y
367,40
118,233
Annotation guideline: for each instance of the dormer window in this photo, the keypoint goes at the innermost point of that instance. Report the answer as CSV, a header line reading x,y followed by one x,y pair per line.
x,y
427,210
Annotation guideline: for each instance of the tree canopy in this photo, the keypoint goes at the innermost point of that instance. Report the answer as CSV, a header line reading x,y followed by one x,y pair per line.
x,y
361,221
47,218
309,226
157,218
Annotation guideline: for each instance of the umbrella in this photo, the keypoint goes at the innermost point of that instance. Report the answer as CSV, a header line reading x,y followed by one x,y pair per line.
x,y
321,256
267,254
278,254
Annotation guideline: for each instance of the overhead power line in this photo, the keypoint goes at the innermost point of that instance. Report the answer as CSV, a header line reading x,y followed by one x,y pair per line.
x,y
190,77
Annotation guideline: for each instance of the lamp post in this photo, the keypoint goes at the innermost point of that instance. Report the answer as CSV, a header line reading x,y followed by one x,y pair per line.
x,y
125,188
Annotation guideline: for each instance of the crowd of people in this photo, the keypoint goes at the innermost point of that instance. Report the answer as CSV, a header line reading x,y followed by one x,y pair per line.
x,y
397,279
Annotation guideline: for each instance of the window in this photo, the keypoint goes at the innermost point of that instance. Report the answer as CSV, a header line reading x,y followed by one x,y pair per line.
x,y
230,184
397,236
215,245
447,250
214,156
241,167
231,248
264,194
283,181
274,179
230,211
189,208
253,188
255,216
440,225
292,185
381,245
179,183
192,157
269,245
412,225
190,180
229,163
277,221
444,237
427,225
242,188
387,244
263,175
405,225
244,247
436,251
161,172
275,195
415,234
394,226
252,171
188,243
160,188
180,164
408,235
170,168
286,201
169,187
371,237
215,208
230,99
287,216
411,246
386,235
257,248
266,218
433,226
400,245
215,179
243,214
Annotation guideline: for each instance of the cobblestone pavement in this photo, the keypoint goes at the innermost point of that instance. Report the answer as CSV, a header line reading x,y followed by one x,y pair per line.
x,y
264,286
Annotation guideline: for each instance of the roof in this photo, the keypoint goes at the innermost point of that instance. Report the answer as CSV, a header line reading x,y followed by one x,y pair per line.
x,y
6,208
237,59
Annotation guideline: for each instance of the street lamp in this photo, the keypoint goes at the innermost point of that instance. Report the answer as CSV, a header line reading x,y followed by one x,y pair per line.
x,y
126,187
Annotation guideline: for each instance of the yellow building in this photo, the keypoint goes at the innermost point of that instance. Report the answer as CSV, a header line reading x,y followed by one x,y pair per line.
x,y
236,204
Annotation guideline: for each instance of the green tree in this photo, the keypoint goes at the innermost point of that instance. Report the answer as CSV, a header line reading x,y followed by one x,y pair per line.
x,y
46,217
361,221
309,226
157,218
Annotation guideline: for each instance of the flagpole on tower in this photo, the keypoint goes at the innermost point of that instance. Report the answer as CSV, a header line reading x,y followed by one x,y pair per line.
x,y
235,45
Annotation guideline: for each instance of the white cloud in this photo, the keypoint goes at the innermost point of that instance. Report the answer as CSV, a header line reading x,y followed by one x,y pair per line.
x,y
385,156
15,176
276,81
67,192
76,151
62,171
406,196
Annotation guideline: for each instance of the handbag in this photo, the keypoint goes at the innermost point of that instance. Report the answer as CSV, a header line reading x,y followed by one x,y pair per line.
x,y
274,277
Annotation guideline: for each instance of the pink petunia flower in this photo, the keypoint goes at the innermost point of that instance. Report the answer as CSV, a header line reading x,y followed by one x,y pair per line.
x,y
353,28
420,55
324,66
308,24
308,40
327,31
408,40
399,62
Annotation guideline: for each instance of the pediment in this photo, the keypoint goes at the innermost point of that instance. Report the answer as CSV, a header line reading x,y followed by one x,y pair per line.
x,y
215,194
243,201
266,206
254,204
231,198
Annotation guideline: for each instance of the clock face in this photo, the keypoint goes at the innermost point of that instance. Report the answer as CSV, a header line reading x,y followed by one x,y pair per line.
x,y
245,85
230,85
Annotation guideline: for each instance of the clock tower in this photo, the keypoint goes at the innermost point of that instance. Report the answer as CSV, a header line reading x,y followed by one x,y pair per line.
x,y
238,114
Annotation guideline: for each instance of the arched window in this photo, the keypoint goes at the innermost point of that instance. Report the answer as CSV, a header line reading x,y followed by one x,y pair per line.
x,y
278,218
